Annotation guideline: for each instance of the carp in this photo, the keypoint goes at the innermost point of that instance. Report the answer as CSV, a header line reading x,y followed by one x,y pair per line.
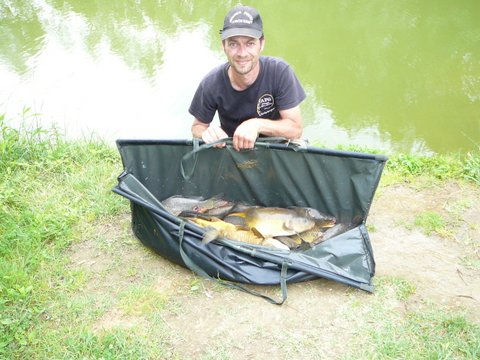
x,y
214,206
270,222
311,237
218,228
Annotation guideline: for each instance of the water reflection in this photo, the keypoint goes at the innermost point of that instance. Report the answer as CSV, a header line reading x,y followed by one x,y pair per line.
x,y
399,67
368,134
130,84
390,75
18,27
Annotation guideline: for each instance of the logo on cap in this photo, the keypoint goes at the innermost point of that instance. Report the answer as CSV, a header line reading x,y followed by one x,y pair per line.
x,y
242,21
248,20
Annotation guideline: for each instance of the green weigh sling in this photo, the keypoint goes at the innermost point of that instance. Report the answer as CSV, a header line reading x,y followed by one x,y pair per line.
x,y
275,174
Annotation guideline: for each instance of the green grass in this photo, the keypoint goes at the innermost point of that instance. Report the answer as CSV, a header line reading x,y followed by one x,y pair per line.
x,y
142,300
401,167
401,288
50,190
425,331
55,193
426,334
441,167
431,222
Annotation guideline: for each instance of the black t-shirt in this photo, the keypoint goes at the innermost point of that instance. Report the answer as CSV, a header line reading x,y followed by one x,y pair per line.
x,y
276,88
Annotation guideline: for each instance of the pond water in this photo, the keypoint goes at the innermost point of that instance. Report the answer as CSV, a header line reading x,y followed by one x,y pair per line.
x,y
392,75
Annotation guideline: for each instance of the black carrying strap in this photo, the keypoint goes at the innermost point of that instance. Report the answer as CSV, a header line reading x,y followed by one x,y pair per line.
x,y
199,271
261,142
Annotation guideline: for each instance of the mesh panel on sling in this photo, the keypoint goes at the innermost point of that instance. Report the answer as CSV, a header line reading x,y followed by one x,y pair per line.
x,y
272,174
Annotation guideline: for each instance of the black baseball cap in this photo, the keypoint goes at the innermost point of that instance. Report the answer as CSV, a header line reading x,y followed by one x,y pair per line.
x,y
242,21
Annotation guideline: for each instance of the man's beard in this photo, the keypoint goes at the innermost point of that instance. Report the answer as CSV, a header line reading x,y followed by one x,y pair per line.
x,y
243,69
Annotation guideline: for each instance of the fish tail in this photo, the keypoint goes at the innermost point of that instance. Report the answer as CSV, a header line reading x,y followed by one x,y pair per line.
x,y
210,235
275,243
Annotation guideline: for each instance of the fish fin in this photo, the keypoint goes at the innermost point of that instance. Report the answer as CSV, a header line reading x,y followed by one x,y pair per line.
x,y
257,233
235,220
189,214
288,224
210,235
301,237
240,208
287,240
317,241
275,243
245,228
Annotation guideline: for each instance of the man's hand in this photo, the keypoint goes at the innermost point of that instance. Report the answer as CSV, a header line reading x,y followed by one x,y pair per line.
x,y
208,133
246,134
213,133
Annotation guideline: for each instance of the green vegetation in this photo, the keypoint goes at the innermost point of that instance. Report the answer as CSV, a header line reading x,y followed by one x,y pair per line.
x,y
55,193
402,167
425,334
430,222
442,167
402,289
50,192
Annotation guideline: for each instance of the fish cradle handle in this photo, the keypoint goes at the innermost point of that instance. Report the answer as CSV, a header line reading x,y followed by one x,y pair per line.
x,y
266,142
194,154
296,144
199,271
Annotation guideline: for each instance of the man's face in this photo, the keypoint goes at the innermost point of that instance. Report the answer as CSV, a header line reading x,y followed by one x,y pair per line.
x,y
243,53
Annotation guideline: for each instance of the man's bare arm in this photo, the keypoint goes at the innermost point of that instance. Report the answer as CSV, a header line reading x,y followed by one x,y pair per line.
x,y
288,126
198,128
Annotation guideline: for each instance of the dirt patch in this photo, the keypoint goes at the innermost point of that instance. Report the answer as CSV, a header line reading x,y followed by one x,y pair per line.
x,y
433,263
250,328
205,320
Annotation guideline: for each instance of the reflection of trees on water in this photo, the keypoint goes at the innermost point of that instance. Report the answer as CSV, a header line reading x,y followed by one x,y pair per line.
x,y
408,69
134,30
21,34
